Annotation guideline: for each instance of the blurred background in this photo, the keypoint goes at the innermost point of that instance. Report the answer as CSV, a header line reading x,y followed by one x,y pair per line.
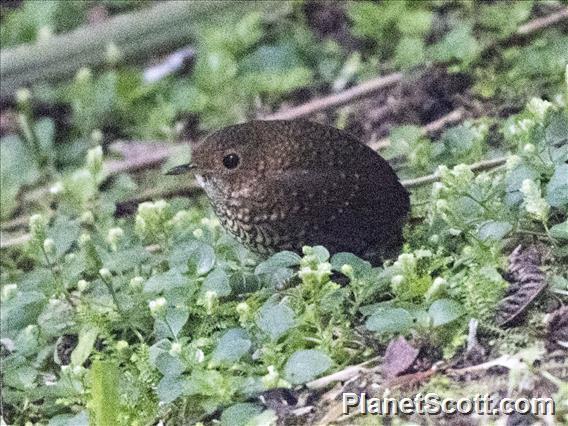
x,y
147,74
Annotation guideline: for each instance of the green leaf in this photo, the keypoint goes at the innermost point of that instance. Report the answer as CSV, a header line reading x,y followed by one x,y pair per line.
x,y
240,414
218,281
444,311
22,378
17,168
105,398
391,320
166,363
232,346
556,133
125,260
409,52
176,316
87,337
165,281
21,310
283,259
275,319
64,232
194,257
360,267
458,44
557,188
321,253
79,419
514,180
493,230
306,365
560,231
171,388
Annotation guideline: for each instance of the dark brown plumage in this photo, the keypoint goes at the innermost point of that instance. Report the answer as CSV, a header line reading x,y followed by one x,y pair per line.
x,y
280,185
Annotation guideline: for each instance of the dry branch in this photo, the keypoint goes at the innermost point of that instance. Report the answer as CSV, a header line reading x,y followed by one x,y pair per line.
x,y
435,177
337,99
452,117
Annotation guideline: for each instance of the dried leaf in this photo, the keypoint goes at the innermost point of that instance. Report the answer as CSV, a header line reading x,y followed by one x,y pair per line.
x,y
557,335
399,357
527,282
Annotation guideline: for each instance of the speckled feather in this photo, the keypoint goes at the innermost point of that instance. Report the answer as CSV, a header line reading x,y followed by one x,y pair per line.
x,y
302,183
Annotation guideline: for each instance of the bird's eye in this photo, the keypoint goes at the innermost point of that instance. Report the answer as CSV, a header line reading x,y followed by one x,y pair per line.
x,y
231,161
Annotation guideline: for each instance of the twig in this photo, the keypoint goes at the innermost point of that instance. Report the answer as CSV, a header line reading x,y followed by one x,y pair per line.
x,y
543,22
320,104
435,177
341,376
452,117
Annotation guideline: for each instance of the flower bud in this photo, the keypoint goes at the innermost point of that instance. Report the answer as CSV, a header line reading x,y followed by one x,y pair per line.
x,y
199,356
121,345
57,188
49,246
87,218
157,306
270,380
136,283
105,274
9,291
211,301
97,137
113,237
84,75
113,54
23,96
529,148
347,270
82,285
38,227
95,160
84,239
175,349
397,280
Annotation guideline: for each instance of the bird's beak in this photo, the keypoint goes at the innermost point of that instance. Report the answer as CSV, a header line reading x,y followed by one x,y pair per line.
x,y
181,169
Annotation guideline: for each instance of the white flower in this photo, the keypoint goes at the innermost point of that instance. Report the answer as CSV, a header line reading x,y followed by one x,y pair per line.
x,y
538,108
23,96
83,75
105,274
270,380
397,280
157,306
535,205
38,226
347,270
175,349
406,262
529,148
199,356
113,236
57,188
49,246
87,218
82,285
198,233
121,345
95,160
84,239
97,136
9,291
136,283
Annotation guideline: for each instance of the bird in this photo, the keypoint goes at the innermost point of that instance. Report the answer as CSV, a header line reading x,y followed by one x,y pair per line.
x,y
284,184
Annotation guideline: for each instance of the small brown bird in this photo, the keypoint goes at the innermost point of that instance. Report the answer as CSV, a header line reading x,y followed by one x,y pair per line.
x,y
280,185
